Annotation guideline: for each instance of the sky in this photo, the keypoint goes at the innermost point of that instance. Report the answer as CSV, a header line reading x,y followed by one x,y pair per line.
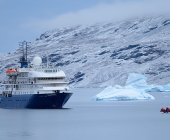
x,y
27,19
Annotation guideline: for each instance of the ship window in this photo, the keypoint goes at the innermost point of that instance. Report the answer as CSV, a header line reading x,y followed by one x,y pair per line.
x,y
48,70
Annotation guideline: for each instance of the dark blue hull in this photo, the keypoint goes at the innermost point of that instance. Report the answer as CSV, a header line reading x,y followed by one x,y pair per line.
x,y
35,101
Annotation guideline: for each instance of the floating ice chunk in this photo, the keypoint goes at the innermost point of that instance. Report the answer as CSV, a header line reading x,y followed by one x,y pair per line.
x,y
160,88
135,89
118,93
165,88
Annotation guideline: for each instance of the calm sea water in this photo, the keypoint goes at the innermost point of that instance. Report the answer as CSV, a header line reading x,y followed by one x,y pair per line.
x,y
86,119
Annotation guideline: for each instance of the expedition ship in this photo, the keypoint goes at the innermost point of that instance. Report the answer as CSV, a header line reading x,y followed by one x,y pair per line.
x,y
35,86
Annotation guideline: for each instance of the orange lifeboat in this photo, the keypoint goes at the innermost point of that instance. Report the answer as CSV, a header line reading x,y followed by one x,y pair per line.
x,y
11,71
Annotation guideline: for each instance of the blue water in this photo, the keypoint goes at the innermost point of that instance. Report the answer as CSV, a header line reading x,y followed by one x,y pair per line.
x,y
86,119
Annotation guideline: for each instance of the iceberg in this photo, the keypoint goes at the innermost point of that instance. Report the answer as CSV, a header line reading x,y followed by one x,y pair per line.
x,y
118,93
138,81
134,89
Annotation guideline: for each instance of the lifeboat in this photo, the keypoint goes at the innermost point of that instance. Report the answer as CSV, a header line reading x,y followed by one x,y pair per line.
x,y
11,72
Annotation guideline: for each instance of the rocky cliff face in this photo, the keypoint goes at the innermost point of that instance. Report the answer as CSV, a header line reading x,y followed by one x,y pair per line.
x,y
104,54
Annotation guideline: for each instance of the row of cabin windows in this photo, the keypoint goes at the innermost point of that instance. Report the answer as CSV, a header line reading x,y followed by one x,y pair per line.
x,y
21,86
52,78
23,75
21,92
51,70
23,82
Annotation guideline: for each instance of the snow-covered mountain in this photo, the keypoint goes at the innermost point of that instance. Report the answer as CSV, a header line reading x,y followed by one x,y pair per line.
x,y
105,53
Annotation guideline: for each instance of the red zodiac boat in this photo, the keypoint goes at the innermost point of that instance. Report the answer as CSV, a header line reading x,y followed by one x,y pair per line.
x,y
165,110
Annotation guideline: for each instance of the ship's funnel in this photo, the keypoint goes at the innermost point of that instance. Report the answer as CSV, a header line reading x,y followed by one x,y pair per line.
x,y
37,61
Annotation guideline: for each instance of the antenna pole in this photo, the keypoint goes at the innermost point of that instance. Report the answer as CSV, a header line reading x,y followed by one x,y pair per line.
x,y
24,59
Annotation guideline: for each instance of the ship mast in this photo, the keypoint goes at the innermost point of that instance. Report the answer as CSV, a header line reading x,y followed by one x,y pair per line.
x,y
24,57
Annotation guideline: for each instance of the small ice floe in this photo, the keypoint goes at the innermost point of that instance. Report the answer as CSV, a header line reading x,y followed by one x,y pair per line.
x,y
135,89
160,88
